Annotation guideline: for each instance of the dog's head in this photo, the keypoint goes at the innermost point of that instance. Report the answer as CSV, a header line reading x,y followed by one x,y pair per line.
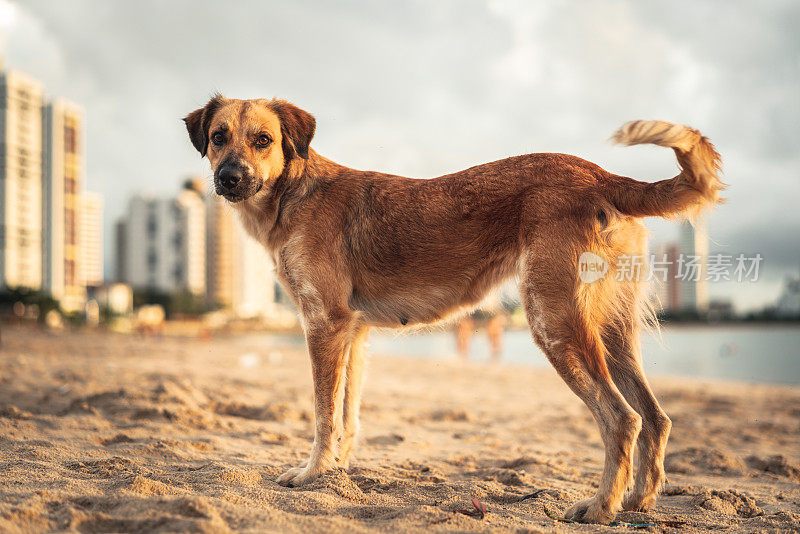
x,y
249,142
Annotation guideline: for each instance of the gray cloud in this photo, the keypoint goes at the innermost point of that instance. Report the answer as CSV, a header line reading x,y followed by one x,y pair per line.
x,y
422,88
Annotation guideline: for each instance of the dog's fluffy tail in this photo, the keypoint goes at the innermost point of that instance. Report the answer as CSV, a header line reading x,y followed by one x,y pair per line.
x,y
695,189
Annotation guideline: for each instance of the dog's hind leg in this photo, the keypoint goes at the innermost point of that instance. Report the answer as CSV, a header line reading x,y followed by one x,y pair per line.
x,y
575,349
352,396
624,363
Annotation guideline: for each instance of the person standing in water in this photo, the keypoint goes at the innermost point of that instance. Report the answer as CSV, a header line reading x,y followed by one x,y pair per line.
x,y
495,320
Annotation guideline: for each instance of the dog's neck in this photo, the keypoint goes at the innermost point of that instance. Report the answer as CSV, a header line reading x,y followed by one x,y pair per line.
x,y
268,215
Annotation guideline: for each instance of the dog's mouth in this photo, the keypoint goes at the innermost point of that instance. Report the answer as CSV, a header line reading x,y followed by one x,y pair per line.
x,y
238,197
233,197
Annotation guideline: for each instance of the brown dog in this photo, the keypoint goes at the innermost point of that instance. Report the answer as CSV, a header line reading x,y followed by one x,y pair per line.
x,y
356,249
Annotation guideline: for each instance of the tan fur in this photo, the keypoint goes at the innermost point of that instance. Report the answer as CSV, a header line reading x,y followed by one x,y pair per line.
x,y
356,249
696,188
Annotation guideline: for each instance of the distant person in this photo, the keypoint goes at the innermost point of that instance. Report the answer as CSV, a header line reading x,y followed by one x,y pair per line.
x,y
463,336
495,328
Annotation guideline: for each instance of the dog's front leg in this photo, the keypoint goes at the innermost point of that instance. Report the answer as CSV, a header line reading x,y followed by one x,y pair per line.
x,y
327,336
352,396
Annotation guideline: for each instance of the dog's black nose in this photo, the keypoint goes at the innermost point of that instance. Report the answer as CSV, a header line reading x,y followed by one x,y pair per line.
x,y
229,176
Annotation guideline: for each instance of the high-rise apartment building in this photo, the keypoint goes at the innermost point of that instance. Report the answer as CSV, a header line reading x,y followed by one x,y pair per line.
x,y
162,243
91,239
21,100
693,265
62,183
254,277
680,270
44,216
121,249
220,231
240,273
665,276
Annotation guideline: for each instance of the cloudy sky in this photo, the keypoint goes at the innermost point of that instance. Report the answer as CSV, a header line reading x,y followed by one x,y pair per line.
x,y
424,88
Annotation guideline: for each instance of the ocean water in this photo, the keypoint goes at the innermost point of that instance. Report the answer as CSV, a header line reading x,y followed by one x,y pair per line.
x,y
750,353
753,353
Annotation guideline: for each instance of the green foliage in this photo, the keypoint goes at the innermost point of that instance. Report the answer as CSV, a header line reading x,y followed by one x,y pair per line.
x,y
186,303
30,297
179,303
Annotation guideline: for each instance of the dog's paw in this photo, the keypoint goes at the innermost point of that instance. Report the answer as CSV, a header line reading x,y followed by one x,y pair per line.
x,y
344,463
298,476
635,502
589,511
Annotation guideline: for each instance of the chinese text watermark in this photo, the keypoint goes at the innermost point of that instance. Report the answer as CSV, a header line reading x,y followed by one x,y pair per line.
x,y
683,267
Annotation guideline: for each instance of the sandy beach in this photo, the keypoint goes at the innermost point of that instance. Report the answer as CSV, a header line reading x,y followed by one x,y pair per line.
x,y
111,433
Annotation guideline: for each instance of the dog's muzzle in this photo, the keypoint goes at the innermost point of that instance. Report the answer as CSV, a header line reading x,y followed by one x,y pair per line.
x,y
234,182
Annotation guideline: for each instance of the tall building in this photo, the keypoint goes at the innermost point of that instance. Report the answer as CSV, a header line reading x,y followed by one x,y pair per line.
x,y
161,243
693,242
43,213
240,273
21,100
193,243
220,231
92,239
680,270
665,271
62,187
788,305
254,277
121,250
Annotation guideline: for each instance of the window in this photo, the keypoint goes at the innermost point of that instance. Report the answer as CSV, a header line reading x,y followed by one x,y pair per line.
x,y
69,272
177,274
70,139
152,225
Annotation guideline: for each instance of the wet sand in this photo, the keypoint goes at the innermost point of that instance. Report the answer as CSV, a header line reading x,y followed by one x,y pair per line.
x,y
111,433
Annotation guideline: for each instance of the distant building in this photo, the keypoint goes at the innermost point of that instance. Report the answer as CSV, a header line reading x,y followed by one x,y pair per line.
x,y
788,305
194,240
21,100
694,252
162,243
680,271
240,275
721,310
121,249
116,298
254,277
220,231
62,180
665,271
43,211
92,239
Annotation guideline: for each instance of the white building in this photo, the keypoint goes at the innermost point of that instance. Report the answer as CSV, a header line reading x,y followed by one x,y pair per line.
x,y
20,181
240,275
163,243
788,305
666,285
91,239
62,188
693,264
116,297
254,279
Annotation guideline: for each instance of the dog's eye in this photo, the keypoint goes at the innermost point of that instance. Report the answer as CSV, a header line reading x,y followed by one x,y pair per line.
x,y
263,140
218,138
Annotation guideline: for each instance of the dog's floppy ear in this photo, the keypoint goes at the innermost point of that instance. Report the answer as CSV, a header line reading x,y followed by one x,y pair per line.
x,y
198,122
297,128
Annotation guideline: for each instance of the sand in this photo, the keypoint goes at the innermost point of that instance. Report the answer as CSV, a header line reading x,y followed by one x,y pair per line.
x,y
112,433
